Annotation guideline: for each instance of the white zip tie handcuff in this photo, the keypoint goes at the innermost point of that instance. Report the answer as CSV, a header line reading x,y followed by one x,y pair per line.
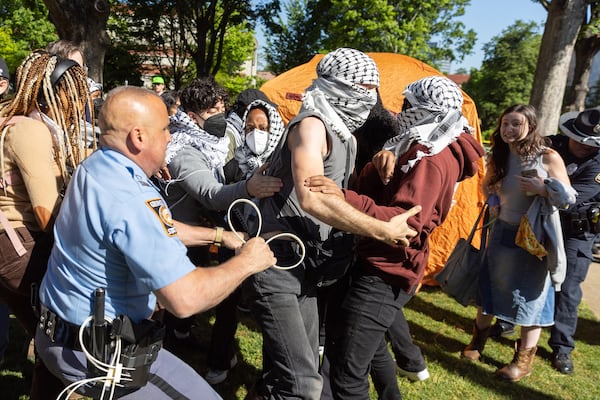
x,y
277,236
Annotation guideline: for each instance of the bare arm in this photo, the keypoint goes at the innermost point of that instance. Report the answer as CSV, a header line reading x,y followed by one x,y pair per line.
x,y
202,236
308,144
554,165
489,173
206,287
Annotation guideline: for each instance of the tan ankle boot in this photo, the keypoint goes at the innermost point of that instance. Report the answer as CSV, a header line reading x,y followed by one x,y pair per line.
x,y
521,365
475,348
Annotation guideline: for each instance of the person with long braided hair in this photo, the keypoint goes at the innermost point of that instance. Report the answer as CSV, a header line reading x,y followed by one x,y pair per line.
x,y
41,142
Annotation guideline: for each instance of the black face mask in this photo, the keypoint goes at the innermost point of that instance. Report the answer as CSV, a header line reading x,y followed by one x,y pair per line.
x,y
216,125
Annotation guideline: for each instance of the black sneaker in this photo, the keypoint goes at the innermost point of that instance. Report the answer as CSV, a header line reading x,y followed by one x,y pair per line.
x,y
502,329
562,363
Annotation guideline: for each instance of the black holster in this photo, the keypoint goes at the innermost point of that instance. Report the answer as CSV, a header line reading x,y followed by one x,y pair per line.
x,y
140,344
585,219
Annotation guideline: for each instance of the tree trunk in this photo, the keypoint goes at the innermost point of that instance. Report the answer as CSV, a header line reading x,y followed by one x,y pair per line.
x,y
84,23
562,27
585,50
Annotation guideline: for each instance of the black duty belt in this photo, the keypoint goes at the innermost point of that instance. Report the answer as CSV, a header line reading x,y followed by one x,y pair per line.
x,y
59,330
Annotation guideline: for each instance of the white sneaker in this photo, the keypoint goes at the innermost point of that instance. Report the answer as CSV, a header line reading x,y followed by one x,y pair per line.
x,y
414,376
216,376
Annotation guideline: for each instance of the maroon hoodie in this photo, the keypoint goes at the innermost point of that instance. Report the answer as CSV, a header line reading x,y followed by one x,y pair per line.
x,y
430,183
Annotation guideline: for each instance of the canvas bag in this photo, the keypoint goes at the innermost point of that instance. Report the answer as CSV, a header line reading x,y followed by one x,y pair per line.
x,y
460,276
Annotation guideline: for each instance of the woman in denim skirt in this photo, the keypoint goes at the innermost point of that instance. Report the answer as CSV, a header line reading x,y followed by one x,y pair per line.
x,y
516,286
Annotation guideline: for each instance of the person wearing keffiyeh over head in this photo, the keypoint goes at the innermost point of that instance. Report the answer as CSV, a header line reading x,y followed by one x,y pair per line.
x,y
318,141
433,152
235,117
259,141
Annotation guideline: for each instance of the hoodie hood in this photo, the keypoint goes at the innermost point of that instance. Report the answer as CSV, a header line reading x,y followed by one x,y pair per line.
x,y
467,151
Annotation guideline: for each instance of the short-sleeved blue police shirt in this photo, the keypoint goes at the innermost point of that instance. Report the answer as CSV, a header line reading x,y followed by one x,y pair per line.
x,y
114,231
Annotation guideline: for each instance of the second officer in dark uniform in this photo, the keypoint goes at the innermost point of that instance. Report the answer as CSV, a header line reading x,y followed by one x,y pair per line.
x,y
579,147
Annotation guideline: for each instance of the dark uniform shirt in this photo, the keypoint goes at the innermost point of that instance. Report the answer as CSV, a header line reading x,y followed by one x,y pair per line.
x,y
584,174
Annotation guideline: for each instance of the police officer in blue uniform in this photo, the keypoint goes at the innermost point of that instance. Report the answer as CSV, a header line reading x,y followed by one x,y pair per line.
x,y
579,147
115,237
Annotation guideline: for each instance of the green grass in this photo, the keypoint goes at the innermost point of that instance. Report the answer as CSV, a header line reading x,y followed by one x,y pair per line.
x,y
439,326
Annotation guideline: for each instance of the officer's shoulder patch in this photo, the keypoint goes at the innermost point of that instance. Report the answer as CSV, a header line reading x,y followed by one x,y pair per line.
x,y
597,177
164,215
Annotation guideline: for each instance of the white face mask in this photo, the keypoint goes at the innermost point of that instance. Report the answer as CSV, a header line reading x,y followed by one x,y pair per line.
x,y
257,141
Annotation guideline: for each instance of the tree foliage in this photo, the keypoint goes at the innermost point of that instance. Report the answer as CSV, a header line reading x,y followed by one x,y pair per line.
x,y
427,30
506,73
181,31
366,25
23,27
293,37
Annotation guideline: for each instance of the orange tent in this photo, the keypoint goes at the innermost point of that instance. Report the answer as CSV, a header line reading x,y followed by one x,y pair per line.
x,y
396,72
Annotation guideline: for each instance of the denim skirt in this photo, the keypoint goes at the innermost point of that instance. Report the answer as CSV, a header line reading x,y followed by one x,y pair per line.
x,y
515,285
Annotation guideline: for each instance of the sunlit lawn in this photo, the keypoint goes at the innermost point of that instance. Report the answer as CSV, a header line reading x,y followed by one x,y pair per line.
x,y
439,326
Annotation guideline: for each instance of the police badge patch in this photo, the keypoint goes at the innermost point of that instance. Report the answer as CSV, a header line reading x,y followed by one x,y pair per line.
x,y
597,178
164,215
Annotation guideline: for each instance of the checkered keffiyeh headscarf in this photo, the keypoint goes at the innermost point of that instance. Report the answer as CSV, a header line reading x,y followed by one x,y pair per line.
x,y
248,161
337,93
434,119
184,131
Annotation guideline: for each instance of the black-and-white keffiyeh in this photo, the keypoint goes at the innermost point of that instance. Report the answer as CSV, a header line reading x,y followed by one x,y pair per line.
x,y
248,161
234,124
336,94
434,119
184,131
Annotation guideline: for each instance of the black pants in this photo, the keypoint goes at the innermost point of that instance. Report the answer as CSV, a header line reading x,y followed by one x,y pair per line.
x,y
568,299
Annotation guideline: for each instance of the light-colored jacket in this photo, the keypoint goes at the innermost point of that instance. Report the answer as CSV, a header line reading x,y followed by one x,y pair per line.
x,y
544,217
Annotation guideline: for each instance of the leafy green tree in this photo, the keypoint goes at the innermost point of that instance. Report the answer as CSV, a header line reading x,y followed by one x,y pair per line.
x,y
293,37
427,30
23,27
366,25
187,38
235,84
506,73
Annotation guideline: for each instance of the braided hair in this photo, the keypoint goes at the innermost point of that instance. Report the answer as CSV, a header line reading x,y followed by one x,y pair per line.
x,y
58,99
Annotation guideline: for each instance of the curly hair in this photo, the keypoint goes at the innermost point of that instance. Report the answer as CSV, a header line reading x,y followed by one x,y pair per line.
x,y
62,99
530,146
202,94
170,98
